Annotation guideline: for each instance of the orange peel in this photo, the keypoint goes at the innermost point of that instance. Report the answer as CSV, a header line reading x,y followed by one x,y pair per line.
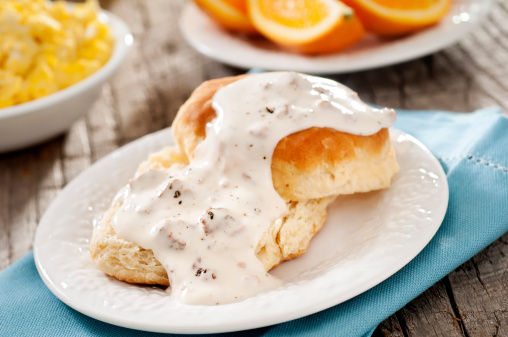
x,y
230,14
398,17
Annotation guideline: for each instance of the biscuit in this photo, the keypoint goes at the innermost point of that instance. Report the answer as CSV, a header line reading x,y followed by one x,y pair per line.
x,y
285,239
309,169
310,164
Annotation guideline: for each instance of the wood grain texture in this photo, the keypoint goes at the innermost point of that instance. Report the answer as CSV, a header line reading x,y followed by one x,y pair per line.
x,y
480,289
161,72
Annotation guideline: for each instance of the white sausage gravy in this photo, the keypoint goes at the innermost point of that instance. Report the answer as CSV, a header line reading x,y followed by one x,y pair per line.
x,y
203,222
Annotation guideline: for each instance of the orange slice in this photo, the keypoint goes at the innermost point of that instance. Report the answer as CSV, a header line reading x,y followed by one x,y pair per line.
x,y
397,17
306,26
230,14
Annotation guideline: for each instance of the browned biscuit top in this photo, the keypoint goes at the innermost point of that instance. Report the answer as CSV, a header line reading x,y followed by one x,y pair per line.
x,y
316,155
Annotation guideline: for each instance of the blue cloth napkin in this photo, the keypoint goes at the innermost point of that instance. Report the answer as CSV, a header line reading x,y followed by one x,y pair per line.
x,y
473,149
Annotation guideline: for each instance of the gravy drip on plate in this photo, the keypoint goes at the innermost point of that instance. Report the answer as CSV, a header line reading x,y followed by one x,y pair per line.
x,y
203,222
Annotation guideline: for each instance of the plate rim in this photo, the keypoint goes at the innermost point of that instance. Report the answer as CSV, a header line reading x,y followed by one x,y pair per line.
x,y
208,50
111,318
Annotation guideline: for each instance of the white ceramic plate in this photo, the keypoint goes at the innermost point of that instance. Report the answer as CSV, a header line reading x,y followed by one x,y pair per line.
x,y
366,239
370,52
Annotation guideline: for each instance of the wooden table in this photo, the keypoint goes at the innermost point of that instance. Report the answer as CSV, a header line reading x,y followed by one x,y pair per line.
x,y
161,72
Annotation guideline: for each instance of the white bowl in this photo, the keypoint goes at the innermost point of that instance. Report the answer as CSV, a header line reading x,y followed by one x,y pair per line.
x,y
38,120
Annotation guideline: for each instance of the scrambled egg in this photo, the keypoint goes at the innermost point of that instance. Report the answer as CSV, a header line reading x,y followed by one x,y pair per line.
x,y
45,47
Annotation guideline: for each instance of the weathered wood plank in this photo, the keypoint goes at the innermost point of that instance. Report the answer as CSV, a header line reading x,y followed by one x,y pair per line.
x,y
443,87
49,167
480,289
431,314
132,87
417,78
22,203
49,174
389,328
217,70
5,180
102,125
386,86
361,84
76,151
482,90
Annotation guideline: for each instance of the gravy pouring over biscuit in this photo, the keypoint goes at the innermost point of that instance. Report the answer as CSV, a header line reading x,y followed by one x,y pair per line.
x,y
258,159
